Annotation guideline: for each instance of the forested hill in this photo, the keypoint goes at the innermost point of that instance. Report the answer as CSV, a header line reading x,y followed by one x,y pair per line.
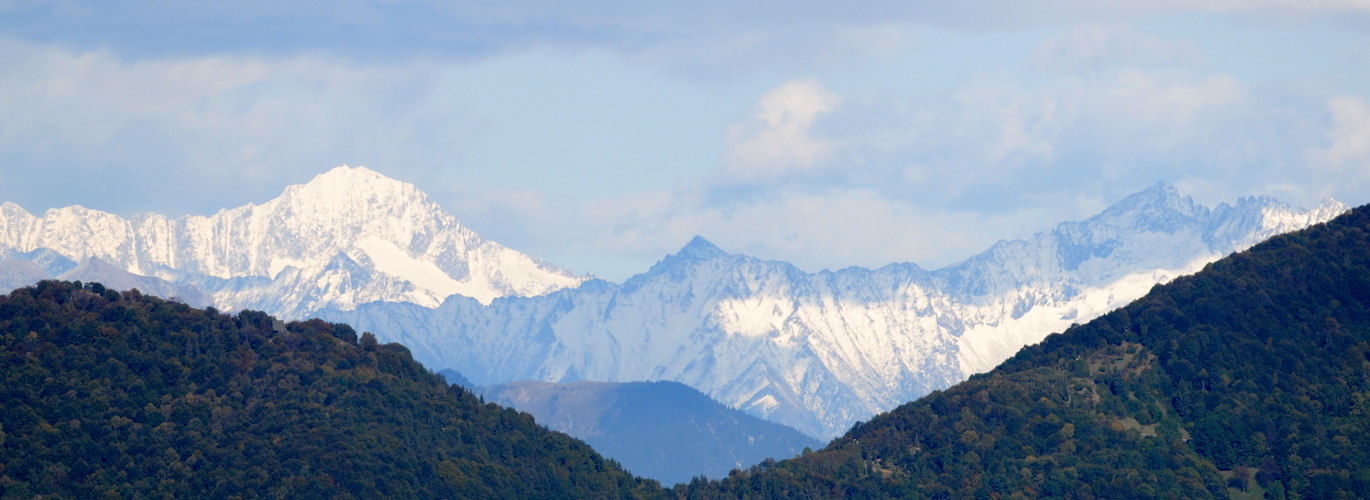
x,y
109,394
1249,379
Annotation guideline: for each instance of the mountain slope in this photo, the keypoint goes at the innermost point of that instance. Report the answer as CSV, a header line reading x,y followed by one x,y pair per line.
x,y
112,394
660,430
1250,377
95,270
15,273
347,237
818,351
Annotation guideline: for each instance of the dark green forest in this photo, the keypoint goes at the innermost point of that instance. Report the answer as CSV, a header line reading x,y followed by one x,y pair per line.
x,y
1249,380
121,395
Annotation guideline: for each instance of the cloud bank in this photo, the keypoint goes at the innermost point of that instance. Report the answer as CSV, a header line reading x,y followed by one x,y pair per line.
x,y
604,136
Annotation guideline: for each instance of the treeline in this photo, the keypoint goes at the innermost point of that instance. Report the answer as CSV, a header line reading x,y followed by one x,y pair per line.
x,y
120,395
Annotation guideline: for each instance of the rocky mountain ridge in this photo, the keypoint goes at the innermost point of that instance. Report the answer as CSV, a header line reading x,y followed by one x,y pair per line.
x,y
347,237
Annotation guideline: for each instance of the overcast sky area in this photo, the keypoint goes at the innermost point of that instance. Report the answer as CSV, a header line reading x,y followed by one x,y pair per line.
x,y
601,136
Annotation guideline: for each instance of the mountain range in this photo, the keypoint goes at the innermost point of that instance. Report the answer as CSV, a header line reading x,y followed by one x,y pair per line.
x,y
816,351
1249,379
819,351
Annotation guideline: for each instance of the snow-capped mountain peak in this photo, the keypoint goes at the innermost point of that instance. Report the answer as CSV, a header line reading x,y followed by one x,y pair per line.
x,y
349,181
284,255
1160,198
344,194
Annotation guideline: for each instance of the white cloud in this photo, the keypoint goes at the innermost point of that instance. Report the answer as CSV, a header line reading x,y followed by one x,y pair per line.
x,y
87,119
996,135
956,143
777,139
1019,123
1158,108
937,178
1348,141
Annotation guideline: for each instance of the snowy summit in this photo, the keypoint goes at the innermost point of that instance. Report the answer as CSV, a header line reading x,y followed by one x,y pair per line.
x,y
347,237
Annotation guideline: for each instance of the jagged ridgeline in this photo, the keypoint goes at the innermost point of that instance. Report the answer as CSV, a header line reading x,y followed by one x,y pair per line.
x,y
1249,379
110,394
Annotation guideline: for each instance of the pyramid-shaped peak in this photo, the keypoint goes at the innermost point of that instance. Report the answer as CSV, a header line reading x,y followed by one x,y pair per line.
x,y
701,249
92,266
349,176
1160,192
1159,198
355,187
697,250
10,208
349,172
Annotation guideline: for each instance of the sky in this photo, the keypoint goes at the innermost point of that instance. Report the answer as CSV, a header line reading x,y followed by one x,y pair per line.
x,y
604,135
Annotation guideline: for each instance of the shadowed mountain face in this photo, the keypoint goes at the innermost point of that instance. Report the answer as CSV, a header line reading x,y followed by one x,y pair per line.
x,y
1250,377
660,430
